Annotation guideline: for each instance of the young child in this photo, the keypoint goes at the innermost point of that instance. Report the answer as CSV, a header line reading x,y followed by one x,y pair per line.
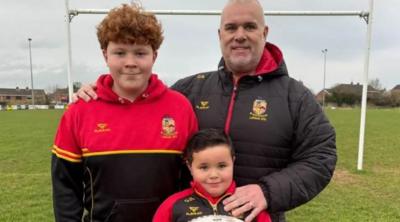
x,y
209,157
118,157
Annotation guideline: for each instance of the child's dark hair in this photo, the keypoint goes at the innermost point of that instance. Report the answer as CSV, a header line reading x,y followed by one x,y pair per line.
x,y
206,138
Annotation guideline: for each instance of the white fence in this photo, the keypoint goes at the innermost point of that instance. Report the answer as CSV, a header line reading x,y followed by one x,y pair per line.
x,y
31,107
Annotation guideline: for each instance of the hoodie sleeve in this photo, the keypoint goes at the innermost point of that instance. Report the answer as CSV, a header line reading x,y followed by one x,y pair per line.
x,y
66,172
312,161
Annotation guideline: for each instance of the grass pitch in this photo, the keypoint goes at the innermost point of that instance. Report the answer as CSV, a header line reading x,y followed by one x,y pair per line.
x,y
25,187
371,195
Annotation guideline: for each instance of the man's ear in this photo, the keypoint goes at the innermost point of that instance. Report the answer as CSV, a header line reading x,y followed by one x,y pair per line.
x,y
219,34
266,29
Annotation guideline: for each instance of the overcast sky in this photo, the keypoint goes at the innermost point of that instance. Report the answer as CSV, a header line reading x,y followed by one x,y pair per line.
x,y
191,42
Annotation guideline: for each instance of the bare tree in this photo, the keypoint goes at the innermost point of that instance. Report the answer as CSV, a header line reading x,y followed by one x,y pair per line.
x,y
376,84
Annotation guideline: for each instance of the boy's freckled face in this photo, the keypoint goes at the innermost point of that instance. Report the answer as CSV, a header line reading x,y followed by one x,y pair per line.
x,y
213,169
130,66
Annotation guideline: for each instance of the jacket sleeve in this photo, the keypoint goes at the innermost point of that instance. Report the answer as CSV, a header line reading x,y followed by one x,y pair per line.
x,y
185,86
67,173
179,86
312,161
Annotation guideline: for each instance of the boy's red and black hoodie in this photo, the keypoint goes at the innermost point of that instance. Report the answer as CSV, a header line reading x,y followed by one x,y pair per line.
x,y
118,159
196,202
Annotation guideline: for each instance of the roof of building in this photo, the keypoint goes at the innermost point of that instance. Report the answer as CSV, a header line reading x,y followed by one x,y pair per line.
x,y
352,88
20,92
396,87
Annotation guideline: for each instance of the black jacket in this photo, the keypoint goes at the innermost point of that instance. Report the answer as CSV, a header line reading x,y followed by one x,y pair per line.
x,y
282,138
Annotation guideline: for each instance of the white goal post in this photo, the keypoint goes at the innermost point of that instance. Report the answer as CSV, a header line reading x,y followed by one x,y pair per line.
x,y
366,15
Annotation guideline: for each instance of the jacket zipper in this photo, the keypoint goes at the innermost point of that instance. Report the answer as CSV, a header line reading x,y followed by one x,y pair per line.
x,y
215,210
230,109
215,206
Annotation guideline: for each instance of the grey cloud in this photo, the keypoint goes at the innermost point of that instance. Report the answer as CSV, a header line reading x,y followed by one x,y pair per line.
x,y
191,42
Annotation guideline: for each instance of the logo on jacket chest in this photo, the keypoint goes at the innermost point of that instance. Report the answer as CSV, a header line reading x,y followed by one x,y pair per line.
x,y
202,105
259,110
168,128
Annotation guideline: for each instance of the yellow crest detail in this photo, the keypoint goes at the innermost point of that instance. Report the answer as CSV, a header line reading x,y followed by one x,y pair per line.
x,y
259,110
168,128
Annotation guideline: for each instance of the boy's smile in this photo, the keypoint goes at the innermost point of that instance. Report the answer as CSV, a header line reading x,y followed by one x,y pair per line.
x,y
130,66
212,168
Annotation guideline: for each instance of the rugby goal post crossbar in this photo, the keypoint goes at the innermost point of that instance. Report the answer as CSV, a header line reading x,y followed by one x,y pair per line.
x,y
366,15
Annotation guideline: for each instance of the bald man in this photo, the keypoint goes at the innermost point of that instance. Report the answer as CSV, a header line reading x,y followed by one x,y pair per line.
x,y
286,151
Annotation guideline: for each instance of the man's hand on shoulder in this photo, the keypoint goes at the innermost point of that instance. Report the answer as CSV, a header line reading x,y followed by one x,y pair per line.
x,y
86,92
249,198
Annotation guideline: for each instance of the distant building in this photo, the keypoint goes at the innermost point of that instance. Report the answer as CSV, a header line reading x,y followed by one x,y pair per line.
x,y
320,95
60,96
356,89
17,96
348,93
396,88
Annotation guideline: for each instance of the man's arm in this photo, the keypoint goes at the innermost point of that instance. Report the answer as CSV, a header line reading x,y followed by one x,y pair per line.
x,y
312,161
310,169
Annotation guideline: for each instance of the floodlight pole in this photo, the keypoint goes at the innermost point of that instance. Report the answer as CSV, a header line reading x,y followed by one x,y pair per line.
x,y
30,63
365,88
325,51
68,19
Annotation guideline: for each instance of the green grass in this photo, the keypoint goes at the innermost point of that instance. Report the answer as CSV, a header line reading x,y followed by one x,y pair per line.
x,y
370,195
25,186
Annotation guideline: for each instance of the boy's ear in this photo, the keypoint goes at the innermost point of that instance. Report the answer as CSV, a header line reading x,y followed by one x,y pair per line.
x,y
188,166
105,54
155,54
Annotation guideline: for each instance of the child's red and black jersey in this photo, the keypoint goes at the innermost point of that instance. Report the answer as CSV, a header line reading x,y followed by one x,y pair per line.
x,y
118,159
196,202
